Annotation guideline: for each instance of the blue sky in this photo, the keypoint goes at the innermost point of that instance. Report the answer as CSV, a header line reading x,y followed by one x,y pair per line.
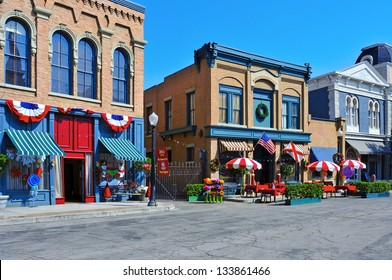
x,y
328,34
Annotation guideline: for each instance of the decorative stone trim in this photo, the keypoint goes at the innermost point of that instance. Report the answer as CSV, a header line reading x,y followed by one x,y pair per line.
x,y
122,45
42,12
112,10
18,14
65,29
139,43
106,33
89,36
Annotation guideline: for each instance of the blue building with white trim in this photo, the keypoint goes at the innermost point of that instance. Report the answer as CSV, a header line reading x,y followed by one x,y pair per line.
x,y
360,94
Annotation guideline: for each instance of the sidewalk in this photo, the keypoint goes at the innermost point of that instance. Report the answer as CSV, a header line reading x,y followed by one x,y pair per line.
x,y
68,211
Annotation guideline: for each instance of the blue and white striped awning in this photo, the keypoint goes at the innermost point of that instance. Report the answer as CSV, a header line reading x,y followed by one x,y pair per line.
x,y
122,149
30,143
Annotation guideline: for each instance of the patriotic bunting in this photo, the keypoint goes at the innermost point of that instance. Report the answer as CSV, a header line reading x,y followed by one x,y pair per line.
x,y
28,112
117,122
69,110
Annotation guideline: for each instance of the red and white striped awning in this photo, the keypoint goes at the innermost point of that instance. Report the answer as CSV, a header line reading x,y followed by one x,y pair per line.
x,y
234,145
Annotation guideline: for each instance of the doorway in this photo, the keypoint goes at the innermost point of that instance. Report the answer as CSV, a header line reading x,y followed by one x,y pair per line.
x,y
73,180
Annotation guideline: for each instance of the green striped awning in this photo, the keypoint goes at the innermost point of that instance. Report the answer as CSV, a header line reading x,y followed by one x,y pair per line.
x,y
29,143
122,149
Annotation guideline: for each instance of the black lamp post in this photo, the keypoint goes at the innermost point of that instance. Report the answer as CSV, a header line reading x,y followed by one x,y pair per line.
x,y
340,139
153,118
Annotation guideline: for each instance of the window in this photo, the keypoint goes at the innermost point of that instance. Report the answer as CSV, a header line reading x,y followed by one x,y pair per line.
x,y
190,153
374,117
17,52
61,64
230,105
352,114
290,112
120,76
148,125
168,114
262,98
190,105
86,70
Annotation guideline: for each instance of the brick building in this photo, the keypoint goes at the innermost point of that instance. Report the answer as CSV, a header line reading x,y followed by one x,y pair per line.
x,y
73,75
220,106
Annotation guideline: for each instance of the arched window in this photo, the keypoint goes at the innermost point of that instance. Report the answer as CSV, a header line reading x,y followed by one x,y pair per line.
x,y
86,69
352,114
17,53
348,110
61,64
120,76
374,117
370,114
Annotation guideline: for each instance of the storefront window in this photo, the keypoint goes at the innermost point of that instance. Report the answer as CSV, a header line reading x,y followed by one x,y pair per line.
x,y
21,167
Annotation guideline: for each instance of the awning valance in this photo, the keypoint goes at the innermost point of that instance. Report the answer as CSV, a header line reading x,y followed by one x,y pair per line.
x,y
122,149
30,143
233,145
322,153
303,148
369,147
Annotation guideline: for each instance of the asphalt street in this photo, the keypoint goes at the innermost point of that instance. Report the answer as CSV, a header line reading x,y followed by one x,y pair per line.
x,y
341,228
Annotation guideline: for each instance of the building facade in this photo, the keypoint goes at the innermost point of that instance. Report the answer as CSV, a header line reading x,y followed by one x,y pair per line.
x,y
71,108
361,95
220,106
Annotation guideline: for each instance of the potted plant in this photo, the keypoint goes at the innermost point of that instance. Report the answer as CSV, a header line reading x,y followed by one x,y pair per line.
x,y
286,170
194,192
303,193
3,166
373,189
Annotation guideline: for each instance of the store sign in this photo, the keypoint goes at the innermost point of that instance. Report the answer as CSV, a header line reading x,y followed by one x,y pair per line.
x,y
163,162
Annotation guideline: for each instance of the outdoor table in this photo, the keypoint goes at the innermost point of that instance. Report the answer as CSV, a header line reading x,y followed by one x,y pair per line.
x,y
255,188
346,188
328,189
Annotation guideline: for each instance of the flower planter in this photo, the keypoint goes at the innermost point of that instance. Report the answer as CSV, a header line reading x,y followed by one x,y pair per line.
x,y
3,201
375,195
306,200
194,198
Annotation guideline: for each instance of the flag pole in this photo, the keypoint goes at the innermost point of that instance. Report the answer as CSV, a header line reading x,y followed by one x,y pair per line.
x,y
258,140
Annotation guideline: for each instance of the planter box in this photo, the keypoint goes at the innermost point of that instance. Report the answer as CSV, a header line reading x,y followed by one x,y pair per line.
x,y
306,200
376,195
3,201
195,198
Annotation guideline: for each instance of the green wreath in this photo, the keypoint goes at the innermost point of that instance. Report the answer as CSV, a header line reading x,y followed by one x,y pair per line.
x,y
215,165
262,111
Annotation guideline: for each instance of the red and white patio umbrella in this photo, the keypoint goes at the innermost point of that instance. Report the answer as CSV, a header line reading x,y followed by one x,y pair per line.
x,y
323,165
353,164
243,162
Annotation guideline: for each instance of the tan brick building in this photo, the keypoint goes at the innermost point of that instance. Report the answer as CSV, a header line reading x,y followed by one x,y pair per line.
x,y
222,104
84,61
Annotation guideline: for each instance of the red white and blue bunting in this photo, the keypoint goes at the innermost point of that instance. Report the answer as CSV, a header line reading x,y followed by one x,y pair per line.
x,y
117,122
69,110
28,112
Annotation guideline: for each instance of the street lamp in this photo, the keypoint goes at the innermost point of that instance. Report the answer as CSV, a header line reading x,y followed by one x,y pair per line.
x,y
153,118
340,136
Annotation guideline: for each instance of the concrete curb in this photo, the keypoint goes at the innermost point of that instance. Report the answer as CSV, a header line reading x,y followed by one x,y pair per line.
x,y
81,214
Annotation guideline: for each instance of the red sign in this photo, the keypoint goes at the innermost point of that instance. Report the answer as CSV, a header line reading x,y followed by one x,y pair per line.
x,y
162,162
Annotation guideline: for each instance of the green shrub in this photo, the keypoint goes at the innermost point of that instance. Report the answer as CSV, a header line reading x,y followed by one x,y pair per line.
x,y
194,189
373,187
303,190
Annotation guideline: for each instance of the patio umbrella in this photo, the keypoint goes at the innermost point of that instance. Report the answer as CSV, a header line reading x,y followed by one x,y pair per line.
x,y
353,164
323,165
243,162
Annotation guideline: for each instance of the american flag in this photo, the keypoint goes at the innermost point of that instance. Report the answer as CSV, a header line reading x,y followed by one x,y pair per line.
x,y
267,143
